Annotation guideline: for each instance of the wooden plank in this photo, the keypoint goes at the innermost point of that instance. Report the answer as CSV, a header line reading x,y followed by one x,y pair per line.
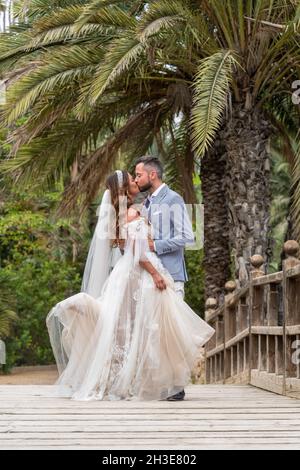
x,y
209,318
265,415
212,416
88,431
293,272
267,330
180,447
274,278
293,330
237,338
237,295
35,429
273,300
271,382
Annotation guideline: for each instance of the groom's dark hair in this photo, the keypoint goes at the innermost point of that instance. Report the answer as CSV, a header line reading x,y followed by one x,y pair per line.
x,y
152,162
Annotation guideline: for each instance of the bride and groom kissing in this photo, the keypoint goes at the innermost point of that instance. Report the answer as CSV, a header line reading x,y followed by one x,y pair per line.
x,y
129,334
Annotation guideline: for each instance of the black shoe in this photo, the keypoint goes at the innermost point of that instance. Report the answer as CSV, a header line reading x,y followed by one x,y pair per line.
x,y
177,397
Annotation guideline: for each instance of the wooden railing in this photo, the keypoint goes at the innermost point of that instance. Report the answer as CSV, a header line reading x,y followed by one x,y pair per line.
x,y
257,337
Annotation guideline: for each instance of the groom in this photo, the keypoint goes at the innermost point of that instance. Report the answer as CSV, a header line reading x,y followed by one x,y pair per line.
x,y
166,211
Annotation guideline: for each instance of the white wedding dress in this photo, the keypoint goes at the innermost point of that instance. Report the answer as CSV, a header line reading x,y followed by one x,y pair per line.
x,y
134,342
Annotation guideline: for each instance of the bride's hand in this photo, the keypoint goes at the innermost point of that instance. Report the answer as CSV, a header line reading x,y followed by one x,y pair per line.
x,y
121,244
151,244
159,281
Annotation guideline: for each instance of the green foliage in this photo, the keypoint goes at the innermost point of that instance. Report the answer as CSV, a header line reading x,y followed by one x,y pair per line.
x,y
38,283
37,269
194,288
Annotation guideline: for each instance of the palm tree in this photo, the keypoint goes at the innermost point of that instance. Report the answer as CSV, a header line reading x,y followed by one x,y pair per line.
x,y
92,78
53,58
260,37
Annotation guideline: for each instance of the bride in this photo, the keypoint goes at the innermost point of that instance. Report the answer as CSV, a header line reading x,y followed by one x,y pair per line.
x,y
127,335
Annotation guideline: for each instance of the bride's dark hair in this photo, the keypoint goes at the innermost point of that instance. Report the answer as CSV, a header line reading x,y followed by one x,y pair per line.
x,y
112,183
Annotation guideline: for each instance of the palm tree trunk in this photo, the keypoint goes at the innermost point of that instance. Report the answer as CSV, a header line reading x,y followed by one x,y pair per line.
x,y
247,187
216,231
189,194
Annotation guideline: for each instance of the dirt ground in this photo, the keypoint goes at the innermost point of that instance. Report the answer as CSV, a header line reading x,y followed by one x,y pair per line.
x,y
39,375
47,375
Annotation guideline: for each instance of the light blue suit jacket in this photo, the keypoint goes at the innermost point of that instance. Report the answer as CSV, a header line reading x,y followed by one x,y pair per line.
x,y
172,230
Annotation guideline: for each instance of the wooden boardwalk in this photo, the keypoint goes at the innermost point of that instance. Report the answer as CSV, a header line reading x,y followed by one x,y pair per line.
x,y
211,417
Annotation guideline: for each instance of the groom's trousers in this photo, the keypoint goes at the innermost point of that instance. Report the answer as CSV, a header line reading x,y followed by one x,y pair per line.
x,y
179,288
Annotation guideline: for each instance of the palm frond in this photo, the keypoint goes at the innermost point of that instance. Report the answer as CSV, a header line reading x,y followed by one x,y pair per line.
x,y
212,85
108,9
177,21
122,55
84,189
162,15
35,9
55,71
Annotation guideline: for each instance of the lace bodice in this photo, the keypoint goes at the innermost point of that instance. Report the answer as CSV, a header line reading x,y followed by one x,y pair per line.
x,y
140,223
139,228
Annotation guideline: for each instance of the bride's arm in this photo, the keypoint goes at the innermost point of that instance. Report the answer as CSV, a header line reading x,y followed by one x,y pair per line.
x,y
159,281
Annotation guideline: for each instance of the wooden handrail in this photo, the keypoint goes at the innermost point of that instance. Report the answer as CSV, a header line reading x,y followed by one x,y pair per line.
x,y
257,337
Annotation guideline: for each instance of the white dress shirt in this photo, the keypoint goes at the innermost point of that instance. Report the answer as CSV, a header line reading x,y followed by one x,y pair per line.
x,y
156,192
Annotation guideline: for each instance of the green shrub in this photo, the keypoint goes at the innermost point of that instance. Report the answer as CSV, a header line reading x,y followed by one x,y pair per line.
x,y
38,284
37,271
194,288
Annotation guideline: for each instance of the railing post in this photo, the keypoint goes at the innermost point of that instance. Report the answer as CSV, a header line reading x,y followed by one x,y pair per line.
x,y
210,369
257,331
229,321
255,303
229,329
210,307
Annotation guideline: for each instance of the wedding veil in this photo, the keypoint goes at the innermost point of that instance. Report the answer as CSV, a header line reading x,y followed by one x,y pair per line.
x,y
101,255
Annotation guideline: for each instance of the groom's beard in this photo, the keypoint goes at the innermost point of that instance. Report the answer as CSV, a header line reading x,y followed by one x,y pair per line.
x,y
145,188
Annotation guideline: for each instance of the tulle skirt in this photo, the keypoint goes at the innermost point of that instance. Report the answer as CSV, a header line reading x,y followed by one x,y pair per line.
x,y
134,342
